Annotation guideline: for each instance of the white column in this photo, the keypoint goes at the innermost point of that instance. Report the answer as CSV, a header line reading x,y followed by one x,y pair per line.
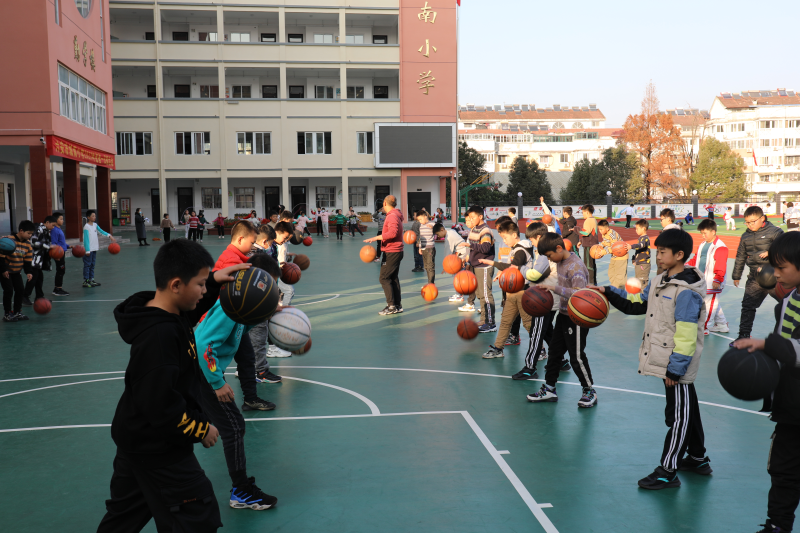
x,y
91,186
53,185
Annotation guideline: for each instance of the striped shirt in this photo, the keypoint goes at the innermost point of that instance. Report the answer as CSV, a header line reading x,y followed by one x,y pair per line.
x,y
791,317
193,221
426,240
19,259
572,276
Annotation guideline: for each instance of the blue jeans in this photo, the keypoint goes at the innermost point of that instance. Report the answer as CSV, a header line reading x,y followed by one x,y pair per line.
x,y
89,261
418,263
288,292
258,336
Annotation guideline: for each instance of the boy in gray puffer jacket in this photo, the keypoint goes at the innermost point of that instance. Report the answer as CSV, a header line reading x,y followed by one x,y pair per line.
x,y
671,347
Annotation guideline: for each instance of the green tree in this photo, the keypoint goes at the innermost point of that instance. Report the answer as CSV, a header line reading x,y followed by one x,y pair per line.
x,y
591,180
528,178
719,174
470,168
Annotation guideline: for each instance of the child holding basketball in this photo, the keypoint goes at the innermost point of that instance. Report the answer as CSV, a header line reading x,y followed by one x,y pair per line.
x,y
589,239
784,454
92,244
221,339
641,258
671,347
568,337
451,241
618,266
481,246
427,245
12,265
40,242
302,223
284,232
265,243
712,260
57,239
159,417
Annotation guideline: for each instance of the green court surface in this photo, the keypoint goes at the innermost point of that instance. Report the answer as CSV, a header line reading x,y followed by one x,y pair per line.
x,y
388,424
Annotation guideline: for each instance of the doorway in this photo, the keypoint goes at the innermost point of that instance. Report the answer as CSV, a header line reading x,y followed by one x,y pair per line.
x,y
381,192
155,207
298,199
10,209
272,199
418,200
185,200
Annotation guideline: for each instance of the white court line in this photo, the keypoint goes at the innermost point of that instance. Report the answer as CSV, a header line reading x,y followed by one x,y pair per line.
x,y
723,336
62,376
56,386
318,302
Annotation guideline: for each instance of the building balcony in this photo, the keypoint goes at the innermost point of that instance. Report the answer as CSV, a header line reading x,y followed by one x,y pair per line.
x,y
190,107
128,51
135,107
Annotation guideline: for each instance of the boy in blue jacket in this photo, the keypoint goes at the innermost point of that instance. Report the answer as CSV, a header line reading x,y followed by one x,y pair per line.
x,y
57,238
219,338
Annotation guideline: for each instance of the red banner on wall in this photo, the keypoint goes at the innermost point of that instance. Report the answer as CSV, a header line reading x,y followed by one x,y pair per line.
x,y
64,148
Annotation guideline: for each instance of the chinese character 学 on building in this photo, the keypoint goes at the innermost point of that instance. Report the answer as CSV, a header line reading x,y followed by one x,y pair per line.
x,y
426,81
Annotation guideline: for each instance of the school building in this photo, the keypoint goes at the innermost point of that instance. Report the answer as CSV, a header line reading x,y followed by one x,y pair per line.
x,y
241,106
56,126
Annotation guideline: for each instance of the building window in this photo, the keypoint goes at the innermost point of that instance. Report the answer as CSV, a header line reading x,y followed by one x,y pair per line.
x,y
770,124
134,143
313,142
544,160
149,36
211,198
380,91
355,92
763,160
323,91
244,197
269,38
183,91
209,91
151,91
84,6
564,158
207,36
501,159
765,178
380,39
719,129
269,91
241,91
297,91
81,101
577,125
326,196
321,38
245,144
488,158
364,143
792,160
354,39
192,142
793,123
788,142
240,37
295,37
358,196
791,177
180,36
739,126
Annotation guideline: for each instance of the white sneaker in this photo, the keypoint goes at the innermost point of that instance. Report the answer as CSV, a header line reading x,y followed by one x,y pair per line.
x,y
467,308
719,328
456,298
274,351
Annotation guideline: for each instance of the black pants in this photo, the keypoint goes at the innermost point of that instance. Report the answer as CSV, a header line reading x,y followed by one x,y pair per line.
x,y
246,366
319,226
541,332
568,338
220,231
200,233
418,263
389,279
35,283
783,466
627,221
193,234
753,297
12,287
166,232
306,232
517,322
591,266
178,496
378,243
228,420
61,268
354,228
339,231
682,416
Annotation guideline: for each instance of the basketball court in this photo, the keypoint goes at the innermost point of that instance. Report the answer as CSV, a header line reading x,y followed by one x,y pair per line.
x,y
388,423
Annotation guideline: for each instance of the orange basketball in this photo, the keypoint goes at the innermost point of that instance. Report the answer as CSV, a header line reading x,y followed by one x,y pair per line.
x,y
633,286
56,252
547,219
511,280
302,261
567,245
537,301
619,249
42,306
588,308
465,282
308,241
430,292
596,251
467,329
78,251
290,273
409,237
368,254
113,248
451,264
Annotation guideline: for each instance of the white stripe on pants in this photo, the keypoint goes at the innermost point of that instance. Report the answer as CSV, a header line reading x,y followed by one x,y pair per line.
x,y
679,426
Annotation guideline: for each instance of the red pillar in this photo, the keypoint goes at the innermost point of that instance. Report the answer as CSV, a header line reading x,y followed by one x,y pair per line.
x,y
103,185
72,198
41,186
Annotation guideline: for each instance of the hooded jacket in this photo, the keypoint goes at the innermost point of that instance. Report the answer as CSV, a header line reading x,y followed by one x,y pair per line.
x,y
158,417
218,337
674,307
785,400
751,245
392,235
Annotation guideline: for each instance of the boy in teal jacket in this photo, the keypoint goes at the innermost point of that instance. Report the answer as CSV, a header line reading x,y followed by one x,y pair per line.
x,y
218,336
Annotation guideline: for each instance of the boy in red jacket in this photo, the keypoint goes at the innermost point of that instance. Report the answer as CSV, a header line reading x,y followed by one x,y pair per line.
x,y
392,246
711,259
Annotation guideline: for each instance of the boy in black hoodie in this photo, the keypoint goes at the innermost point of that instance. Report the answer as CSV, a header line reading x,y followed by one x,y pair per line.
x,y
158,418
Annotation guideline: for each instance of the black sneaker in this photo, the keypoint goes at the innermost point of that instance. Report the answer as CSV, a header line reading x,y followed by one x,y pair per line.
x,y
60,292
267,377
544,394
512,340
86,284
703,467
525,373
398,309
93,283
9,317
26,301
493,353
249,496
388,310
487,328
588,398
737,338
257,405
769,528
660,479
565,366
19,316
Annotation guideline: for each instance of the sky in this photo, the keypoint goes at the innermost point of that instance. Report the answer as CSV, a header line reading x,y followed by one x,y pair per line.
x,y
605,52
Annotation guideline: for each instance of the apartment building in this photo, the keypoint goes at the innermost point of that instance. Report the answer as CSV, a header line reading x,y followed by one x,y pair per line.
x,y
763,127
235,106
56,124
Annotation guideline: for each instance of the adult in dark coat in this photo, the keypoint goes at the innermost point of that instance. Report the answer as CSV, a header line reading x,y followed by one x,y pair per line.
x,y
141,232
